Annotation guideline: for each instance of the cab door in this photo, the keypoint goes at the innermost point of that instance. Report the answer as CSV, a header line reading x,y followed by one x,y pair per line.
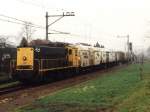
x,y
73,57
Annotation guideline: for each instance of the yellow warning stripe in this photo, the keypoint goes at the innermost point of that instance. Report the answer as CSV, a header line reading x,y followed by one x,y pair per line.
x,y
24,69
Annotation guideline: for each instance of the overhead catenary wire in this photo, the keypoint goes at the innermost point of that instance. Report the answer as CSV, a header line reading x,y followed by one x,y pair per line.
x,y
31,24
6,20
27,2
12,18
31,3
38,5
22,22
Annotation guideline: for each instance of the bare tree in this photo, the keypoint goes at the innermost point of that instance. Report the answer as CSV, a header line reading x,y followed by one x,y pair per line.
x,y
27,31
24,42
4,40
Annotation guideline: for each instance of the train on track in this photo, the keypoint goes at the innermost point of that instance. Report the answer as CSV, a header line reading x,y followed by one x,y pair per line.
x,y
39,62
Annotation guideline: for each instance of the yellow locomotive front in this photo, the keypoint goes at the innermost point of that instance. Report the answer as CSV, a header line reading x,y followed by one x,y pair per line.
x,y
25,58
24,64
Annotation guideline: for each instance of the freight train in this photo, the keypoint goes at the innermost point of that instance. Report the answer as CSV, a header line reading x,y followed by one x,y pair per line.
x,y
38,62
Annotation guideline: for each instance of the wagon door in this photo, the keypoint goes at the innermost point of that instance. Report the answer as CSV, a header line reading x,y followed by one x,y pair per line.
x,y
107,57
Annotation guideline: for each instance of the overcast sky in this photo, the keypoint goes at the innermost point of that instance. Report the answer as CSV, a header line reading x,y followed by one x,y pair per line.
x,y
94,20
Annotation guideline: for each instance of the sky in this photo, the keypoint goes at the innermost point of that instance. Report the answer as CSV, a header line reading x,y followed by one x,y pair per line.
x,y
94,21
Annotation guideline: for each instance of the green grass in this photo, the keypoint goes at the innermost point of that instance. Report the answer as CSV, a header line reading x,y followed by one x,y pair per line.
x,y
139,100
121,91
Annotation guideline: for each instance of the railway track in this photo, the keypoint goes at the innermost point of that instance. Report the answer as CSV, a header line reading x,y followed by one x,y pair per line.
x,y
17,87
20,86
10,89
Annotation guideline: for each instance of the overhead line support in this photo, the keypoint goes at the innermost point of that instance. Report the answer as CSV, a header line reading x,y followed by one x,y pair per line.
x,y
60,17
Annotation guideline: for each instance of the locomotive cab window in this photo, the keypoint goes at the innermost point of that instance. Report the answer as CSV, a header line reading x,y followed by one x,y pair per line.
x,y
70,51
76,53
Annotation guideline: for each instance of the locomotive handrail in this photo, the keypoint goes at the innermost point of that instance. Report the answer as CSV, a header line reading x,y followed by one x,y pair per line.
x,y
54,59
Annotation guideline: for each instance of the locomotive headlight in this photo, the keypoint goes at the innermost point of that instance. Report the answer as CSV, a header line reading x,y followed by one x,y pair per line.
x,y
24,58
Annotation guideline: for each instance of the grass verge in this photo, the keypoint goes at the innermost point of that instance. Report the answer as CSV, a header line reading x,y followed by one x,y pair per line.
x,y
117,91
